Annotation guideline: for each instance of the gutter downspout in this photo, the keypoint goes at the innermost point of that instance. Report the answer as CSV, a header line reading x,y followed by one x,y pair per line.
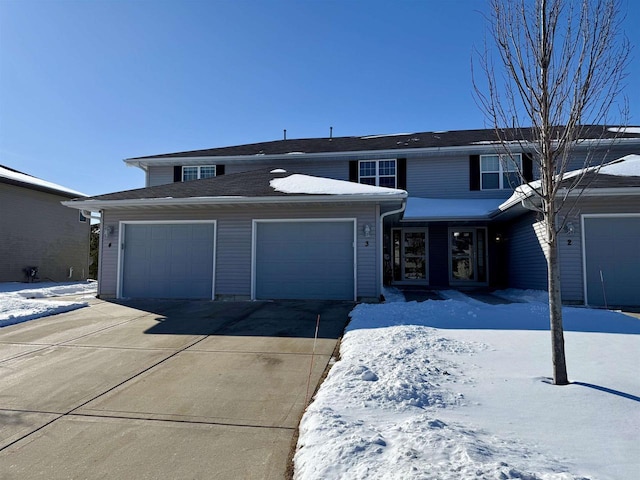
x,y
89,214
379,229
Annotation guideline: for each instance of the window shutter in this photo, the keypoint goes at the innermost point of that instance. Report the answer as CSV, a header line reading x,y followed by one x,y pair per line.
x,y
527,167
474,172
219,170
402,174
177,173
353,171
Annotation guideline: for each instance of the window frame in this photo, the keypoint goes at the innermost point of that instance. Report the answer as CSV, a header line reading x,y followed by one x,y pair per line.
x,y
377,176
503,159
199,171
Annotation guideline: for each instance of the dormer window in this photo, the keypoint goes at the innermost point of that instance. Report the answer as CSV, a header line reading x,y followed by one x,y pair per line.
x,y
381,173
198,172
500,171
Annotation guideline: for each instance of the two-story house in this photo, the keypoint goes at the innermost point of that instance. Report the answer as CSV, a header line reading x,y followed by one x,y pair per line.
x,y
39,238
338,217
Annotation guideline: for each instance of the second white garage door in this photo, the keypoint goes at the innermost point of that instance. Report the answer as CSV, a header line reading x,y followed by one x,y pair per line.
x,y
304,259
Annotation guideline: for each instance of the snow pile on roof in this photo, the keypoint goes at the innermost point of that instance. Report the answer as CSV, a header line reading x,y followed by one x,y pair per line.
x,y
24,178
384,135
449,208
445,390
627,166
624,129
307,184
20,302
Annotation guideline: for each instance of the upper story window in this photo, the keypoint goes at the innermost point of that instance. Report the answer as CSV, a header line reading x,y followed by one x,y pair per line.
x,y
500,171
196,173
381,173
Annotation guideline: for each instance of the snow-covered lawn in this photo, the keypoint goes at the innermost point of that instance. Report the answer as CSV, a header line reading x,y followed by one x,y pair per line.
x,y
458,389
20,302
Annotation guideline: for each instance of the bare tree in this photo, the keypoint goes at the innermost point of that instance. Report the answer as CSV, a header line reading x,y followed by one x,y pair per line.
x,y
561,66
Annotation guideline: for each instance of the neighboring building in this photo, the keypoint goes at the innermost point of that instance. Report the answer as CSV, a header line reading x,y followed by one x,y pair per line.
x,y
36,230
286,219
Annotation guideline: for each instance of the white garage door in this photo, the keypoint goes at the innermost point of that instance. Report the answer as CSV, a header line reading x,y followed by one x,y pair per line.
x,y
304,260
612,260
172,260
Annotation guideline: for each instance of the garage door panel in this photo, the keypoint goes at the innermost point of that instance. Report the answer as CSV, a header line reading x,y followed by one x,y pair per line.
x,y
298,260
168,260
612,260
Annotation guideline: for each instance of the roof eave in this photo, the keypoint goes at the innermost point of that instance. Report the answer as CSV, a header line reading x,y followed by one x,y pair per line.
x,y
41,188
144,162
95,205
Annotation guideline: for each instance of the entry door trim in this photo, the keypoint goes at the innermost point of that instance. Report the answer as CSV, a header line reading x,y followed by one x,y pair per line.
x,y
254,237
403,281
584,245
122,238
475,281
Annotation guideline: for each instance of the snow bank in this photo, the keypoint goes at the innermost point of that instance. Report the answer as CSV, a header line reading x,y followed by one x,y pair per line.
x,y
20,302
455,389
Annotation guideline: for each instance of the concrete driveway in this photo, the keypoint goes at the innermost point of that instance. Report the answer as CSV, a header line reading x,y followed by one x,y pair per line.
x,y
160,389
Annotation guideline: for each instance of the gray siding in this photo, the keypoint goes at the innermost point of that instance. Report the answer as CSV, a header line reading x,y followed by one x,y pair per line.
x,y
571,255
437,175
36,230
526,264
596,157
526,261
160,175
338,169
234,231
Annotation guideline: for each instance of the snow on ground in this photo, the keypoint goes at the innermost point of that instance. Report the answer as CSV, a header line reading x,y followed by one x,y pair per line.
x,y
458,389
20,302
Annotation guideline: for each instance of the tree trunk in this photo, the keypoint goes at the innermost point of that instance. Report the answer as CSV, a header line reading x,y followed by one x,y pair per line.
x,y
555,307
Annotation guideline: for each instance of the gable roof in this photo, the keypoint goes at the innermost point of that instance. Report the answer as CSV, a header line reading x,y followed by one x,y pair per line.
x,y
256,186
616,177
400,141
20,179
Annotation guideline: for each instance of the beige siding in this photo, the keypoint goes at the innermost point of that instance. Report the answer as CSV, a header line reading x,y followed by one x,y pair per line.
x,y
234,227
36,230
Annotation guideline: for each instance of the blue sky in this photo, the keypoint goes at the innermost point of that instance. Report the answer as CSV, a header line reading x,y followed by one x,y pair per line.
x,y
85,84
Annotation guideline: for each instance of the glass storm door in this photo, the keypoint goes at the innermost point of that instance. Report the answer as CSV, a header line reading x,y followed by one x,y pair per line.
x,y
468,255
410,255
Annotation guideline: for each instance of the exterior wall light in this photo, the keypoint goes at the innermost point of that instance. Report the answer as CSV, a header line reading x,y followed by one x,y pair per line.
x,y
367,230
568,228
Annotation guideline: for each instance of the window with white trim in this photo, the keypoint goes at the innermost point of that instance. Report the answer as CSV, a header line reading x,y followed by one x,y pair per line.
x,y
500,171
381,173
199,172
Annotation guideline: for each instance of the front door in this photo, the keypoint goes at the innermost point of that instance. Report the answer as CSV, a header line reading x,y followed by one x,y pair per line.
x,y
467,255
410,255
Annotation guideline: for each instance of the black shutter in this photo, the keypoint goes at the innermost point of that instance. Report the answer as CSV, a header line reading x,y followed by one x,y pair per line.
x,y
527,167
474,172
219,170
402,174
177,173
353,171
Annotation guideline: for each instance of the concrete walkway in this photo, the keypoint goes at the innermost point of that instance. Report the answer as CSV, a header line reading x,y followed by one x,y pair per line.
x,y
167,389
